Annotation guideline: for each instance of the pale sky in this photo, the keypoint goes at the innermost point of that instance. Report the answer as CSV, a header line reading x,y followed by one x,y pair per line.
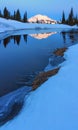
x,y
52,8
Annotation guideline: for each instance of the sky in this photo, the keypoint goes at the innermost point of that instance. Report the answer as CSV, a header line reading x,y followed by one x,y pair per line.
x,y
52,8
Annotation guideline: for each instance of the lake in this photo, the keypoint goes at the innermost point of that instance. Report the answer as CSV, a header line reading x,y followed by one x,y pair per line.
x,y
22,55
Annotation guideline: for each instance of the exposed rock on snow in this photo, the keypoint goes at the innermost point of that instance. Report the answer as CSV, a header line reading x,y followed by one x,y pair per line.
x,y
60,52
42,77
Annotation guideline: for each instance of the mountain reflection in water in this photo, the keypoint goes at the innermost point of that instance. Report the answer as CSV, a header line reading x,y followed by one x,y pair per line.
x,y
72,35
43,35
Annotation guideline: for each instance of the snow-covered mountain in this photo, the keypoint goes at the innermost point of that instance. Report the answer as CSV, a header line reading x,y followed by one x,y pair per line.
x,y
41,19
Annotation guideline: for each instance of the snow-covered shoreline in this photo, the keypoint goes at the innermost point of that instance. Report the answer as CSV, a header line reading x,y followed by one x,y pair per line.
x,y
12,25
53,106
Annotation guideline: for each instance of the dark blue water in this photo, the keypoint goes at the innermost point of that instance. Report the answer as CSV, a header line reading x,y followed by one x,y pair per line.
x,y
23,54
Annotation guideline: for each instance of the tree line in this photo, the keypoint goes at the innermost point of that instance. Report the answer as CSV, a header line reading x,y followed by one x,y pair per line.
x,y
15,16
71,20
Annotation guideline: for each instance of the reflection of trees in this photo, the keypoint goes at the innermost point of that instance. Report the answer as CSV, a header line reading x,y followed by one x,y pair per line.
x,y
25,37
0,41
6,41
72,35
16,39
64,36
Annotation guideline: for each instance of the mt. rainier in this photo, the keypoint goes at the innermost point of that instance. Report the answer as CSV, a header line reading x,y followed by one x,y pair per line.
x,y
41,19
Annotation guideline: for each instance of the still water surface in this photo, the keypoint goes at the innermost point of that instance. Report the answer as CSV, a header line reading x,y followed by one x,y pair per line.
x,y
23,54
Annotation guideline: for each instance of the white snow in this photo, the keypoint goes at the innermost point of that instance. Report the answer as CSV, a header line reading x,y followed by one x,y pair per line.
x,y
54,105
41,18
12,25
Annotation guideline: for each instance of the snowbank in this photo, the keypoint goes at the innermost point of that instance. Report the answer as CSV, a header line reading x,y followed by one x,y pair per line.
x,y
10,25
53,106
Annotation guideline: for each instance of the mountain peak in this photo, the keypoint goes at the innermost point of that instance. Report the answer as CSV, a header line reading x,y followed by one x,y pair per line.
x,y
41,19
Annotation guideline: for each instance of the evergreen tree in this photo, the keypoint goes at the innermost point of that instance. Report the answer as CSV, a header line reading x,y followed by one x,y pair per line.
x,y
9,16
63,18
6,13
71,17
25,17
14,16
17,15
0,13
72,20
76,20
